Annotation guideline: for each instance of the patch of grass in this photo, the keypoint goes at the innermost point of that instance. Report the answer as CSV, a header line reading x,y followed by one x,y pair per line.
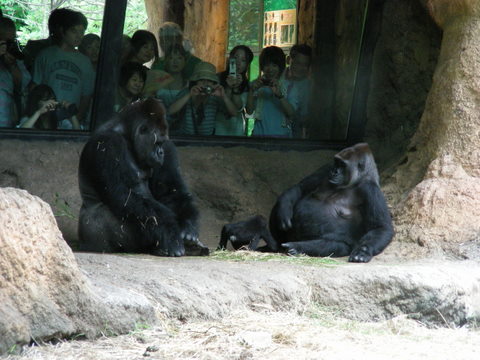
x,y
62,208
244,255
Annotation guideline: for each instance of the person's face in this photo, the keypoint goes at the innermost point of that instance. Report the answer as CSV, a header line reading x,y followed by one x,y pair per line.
x,y
241,61
72,37
271,71
174,63
146,53
7,35
300,66
92,50
135,84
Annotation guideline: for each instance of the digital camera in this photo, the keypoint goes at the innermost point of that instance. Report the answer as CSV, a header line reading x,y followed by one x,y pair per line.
x,y
207,90
65,112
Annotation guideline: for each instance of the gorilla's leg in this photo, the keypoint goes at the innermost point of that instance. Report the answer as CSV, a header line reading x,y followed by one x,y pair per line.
x,y
319,248
100,231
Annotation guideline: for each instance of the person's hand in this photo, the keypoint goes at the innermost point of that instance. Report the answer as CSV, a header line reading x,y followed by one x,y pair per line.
x,y
49,105
231,81
196,90
218,90
257,84
276,88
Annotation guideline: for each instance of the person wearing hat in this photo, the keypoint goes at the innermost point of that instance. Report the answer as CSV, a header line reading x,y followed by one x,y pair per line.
x,y
197,106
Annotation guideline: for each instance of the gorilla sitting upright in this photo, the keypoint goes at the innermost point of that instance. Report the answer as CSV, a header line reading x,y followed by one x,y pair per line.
x,y
134,198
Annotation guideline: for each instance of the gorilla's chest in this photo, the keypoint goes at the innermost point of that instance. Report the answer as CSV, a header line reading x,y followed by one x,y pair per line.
x,y
338,203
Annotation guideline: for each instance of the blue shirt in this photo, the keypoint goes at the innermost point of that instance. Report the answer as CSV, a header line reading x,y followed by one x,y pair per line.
x,y
69,73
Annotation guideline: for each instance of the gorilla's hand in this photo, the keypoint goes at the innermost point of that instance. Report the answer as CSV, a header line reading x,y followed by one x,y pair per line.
x,y
169,241
360,254
284,216
188,232
292,248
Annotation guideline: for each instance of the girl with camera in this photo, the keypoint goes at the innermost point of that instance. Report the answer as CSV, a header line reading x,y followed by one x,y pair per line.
x,y
269,101
44,112
235,81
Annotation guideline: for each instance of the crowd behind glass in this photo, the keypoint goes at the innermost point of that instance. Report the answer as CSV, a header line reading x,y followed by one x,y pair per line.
x,y
50,83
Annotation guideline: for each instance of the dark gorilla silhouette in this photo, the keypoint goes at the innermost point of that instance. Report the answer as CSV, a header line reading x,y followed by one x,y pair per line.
x,y
245,234
134,198
337,211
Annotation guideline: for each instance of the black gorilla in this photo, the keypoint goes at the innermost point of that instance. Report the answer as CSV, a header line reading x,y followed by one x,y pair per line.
x,y
337,211
134,198
245,234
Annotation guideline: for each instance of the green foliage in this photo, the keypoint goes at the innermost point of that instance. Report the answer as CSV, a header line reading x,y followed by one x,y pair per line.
x,y
271,5
62,208
245,21
31,17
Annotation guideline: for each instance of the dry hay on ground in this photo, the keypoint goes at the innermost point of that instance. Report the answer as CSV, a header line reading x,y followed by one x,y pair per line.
x,y
263,334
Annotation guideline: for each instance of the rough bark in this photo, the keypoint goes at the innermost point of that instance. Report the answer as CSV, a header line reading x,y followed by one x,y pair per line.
x,y
306,21
441,177
206,26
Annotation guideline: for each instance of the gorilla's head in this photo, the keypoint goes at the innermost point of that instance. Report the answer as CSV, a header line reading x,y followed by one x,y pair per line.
x,y
352,165
147,129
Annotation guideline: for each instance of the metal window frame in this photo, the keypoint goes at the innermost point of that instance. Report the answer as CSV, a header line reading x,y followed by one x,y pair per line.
x,y
107,75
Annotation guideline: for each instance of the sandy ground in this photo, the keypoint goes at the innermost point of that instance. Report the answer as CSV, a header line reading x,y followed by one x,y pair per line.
x,y
263,334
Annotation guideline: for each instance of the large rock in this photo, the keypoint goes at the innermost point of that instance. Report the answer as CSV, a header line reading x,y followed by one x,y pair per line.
x,y
43,293
437,293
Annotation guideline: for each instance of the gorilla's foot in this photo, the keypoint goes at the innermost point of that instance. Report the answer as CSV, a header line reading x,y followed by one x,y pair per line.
x,y
195,247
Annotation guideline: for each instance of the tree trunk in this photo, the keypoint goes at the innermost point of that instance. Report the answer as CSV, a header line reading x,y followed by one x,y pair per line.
x,y
206,26
439,186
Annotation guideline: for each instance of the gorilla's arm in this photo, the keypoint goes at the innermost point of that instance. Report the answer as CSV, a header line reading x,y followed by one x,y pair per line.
x,y
282,212
122,186
168,187
377,223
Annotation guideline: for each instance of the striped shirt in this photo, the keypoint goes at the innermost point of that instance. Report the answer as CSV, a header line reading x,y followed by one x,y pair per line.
x,y
200,121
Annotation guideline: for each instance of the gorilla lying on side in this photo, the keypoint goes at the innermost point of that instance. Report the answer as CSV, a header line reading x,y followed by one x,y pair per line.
x,y
337,211
134,198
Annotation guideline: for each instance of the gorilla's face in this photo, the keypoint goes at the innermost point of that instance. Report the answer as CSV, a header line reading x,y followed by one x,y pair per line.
x,y
148,144
351,165
340,175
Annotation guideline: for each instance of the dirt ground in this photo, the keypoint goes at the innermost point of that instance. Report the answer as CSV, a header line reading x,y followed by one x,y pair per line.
x,y
264,334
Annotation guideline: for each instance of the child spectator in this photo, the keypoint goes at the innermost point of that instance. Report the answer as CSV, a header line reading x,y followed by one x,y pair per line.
x,y
144,47
175,59
90,47
170,34
14,77
43,111
298,80
130,85
236,88
268,100
199,104
68,72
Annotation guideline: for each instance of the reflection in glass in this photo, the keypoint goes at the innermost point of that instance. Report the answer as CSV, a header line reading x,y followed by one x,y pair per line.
x,y
62,77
